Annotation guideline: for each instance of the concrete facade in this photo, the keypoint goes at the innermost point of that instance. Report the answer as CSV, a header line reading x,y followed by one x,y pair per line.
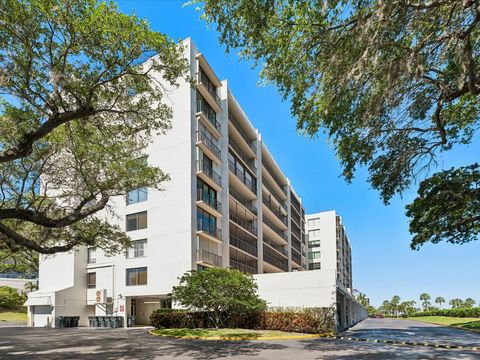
x,y
227,204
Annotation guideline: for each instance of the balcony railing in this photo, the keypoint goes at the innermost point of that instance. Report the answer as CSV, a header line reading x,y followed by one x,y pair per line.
x,y
276,260
248,204
296,257
243,245
206,198
274,209
248,225
242,267
208,170
272,226
209,257
296,245
239,174
295,230
202,137
243,133
274,193
250,162
203,79
209,228
209,113
277,180
277,247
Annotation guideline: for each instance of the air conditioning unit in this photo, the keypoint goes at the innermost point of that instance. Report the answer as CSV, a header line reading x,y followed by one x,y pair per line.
x,y
100,296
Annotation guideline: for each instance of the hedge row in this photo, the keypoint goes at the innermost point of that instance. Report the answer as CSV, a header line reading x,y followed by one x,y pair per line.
x,y
311,320
461,313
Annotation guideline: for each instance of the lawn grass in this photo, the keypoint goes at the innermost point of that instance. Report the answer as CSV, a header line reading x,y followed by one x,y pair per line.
x,y
226,334
13,316
464,323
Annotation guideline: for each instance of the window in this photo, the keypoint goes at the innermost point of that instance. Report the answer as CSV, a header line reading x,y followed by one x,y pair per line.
x,y
137,276
138,249
137,221
314,234
314,266
92,280
314,222
314,243
314,255
137,195
206,193
206,222
92,256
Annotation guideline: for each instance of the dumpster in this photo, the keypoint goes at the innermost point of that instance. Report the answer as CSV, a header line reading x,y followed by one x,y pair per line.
x,y
61,321
75,320
131,321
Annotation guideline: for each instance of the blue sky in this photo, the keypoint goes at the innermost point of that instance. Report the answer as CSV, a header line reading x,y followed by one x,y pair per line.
x,y
383,264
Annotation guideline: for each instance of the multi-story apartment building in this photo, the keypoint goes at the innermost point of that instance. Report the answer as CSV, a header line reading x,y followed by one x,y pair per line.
x,y
330,252
227,204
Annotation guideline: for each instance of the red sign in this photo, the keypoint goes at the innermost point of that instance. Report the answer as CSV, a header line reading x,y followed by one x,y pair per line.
x,y
122,308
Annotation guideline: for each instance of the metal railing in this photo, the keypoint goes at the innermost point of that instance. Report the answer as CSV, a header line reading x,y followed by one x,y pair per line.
x,y
209,257
271,258
274,193
242,267
202,137
243,133
270,224
243,245
248,225
297,245
239,174
208,170
275,178
209,228
275,209
296,256
207,199
248,161
203,79
277,247
210,114
248,204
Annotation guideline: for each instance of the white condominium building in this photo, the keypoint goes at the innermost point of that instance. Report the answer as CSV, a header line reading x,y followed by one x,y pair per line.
x,y
227,204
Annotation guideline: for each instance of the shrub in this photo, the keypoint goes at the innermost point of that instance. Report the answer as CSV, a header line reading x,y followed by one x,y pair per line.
x,y
307,320
461,312
10,298
173,318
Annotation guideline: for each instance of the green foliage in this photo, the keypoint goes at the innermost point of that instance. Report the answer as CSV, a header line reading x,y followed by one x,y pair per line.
x,y
10,298
439,300
425,299
308,320
456,303
82,96
447,207
469,303
392,83
455,312
218,291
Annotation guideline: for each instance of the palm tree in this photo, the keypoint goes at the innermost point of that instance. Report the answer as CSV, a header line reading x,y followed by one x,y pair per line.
x,y
425,298
456,303
468,303
439,300
394,303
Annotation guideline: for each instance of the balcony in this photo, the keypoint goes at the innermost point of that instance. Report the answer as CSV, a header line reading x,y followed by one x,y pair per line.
x,y
208,258
296,245
243,134
251,185
276,247
249,162
283,188
206,202
208,89
275,209
242,267
242,244
245,224
272,231
280,199
296,257
208,147
209,230
208,115
240,199
275,259
207,174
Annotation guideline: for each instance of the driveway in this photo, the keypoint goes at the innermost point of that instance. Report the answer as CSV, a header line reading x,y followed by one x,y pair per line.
x,y
137,344
413,331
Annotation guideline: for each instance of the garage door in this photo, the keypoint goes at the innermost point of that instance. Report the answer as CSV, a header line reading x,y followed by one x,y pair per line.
x,y
42,316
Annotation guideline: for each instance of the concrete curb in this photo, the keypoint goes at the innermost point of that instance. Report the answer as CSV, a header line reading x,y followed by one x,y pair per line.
x,y
412,343
289,337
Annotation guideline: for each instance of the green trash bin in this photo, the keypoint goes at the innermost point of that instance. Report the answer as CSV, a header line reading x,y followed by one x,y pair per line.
x,y
120,321
95,321
113,322
101,321
66,320
131,321
75,320
61,321
108,321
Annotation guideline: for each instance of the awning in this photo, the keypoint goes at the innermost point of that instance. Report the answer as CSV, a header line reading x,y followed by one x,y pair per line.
x,y
38,301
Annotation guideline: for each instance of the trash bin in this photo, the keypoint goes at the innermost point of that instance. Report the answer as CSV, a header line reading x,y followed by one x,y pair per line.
x,y
61,321
75,320
101,321
114,322
108,320
131,321
95,321
66,321
120,321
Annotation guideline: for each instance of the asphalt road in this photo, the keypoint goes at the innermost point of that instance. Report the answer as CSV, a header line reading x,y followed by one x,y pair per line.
x,y
137,344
